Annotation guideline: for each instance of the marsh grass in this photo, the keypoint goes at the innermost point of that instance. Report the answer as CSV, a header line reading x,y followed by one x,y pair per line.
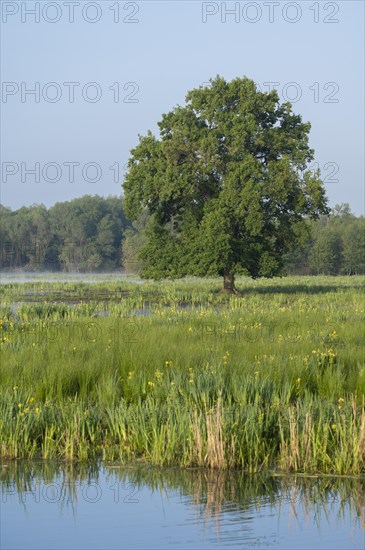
x,y
274,377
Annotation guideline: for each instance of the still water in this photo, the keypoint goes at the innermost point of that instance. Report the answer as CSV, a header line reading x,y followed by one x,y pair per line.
x,y
73,506
60,277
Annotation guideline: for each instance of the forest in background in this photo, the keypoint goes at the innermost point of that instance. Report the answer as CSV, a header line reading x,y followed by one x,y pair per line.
x,y
93,234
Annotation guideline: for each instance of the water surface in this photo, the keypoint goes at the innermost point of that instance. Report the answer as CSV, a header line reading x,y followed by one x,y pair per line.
x,y
71,506
7,277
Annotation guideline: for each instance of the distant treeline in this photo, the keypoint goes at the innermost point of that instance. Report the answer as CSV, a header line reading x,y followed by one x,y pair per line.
x,y
92,233
333,245
81,235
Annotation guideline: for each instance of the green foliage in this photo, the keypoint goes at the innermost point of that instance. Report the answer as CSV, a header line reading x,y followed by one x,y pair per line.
x,y
353,247
102,239
334,245
326,254
84,234
25,237
227,184
133,241
272,378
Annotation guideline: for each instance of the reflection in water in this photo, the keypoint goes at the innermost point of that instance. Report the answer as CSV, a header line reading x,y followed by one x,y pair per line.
x,y
191,508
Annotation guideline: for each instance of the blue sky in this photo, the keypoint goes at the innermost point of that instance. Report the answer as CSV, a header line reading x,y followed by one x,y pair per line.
x,y
312,50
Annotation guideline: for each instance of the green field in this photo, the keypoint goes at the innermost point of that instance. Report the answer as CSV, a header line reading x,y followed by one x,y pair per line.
x,y
178,373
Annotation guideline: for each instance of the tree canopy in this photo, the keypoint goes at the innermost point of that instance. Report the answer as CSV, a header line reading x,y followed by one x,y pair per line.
x,y
227,184
36,238
83,234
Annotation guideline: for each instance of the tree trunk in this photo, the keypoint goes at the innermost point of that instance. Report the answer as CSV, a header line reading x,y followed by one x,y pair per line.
x,y
228,282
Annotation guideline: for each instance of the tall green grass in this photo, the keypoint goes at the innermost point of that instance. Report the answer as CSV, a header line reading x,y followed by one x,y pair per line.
x,y
272,378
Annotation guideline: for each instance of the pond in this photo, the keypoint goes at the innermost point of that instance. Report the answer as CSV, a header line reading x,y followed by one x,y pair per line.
x,y
60,277
73,505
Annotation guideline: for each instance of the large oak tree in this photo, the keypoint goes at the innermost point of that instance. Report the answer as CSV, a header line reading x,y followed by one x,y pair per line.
x,y
227,184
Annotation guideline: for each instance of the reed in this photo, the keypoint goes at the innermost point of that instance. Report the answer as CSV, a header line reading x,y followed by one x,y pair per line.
x,y
272,378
